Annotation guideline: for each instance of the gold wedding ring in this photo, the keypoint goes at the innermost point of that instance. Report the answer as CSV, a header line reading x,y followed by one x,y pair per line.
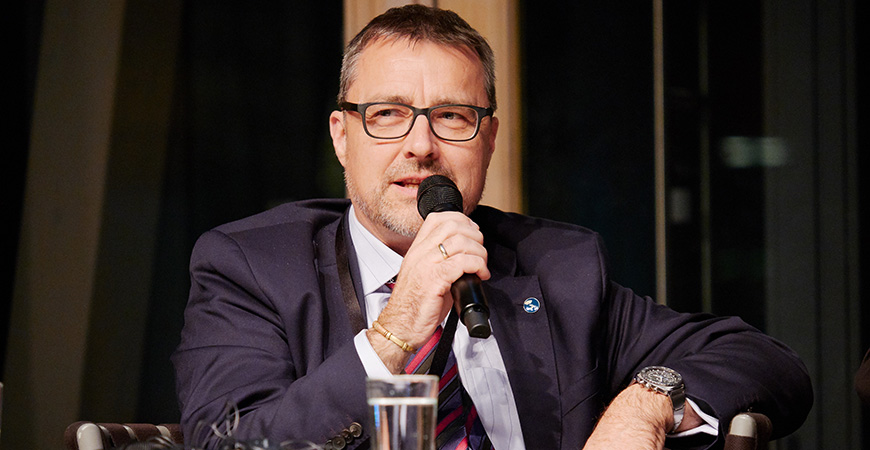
x,y
443,251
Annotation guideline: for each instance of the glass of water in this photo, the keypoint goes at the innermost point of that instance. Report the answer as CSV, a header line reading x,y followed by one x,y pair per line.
x,y
402,411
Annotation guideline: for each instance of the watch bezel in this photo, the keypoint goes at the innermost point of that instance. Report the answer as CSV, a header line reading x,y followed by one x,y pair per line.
x,y
671,381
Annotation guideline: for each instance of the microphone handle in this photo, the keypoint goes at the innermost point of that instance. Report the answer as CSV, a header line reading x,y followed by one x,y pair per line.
x,y
471,306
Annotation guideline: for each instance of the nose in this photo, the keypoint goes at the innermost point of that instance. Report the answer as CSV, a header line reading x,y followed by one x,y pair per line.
x,y
421,143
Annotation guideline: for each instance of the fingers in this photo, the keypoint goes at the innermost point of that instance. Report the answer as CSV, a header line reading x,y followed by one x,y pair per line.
x,y
457,240
448,245
463,257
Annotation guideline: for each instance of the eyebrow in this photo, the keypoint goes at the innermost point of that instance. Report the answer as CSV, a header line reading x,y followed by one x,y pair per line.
x,y
439,101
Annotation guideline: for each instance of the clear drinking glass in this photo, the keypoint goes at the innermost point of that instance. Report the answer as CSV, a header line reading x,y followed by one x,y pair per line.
x,y
402,411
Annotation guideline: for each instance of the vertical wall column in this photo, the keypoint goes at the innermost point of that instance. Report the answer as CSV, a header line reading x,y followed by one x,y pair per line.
x,y
61,220
94,183
813,289
659,150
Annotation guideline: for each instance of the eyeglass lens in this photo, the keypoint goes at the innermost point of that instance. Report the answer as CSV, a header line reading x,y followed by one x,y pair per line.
x,y
451,122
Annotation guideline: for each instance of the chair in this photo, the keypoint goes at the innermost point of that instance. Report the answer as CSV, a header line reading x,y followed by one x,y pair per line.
x,y
100,436
748,431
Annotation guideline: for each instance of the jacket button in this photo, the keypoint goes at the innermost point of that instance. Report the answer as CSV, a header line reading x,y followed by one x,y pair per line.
x,y
355,429
338,443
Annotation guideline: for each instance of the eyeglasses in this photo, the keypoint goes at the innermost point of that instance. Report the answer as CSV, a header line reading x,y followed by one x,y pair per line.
x,y
457,123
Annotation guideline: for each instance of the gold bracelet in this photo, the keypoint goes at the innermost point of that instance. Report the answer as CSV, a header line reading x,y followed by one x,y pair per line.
x,y
392,337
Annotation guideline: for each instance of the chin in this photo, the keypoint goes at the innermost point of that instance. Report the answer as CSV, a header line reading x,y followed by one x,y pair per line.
x,y
403,226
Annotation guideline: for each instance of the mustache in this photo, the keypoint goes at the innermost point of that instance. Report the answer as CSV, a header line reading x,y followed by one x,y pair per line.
x,y
415,166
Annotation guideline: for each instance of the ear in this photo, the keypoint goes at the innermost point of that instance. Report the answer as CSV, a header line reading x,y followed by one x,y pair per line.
x,y
492,133
339,135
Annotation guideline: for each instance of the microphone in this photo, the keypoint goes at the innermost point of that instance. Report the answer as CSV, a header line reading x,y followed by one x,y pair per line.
x,y
438,193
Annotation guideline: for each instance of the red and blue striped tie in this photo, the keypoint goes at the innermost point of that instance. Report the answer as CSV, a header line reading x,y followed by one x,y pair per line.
x,y
458,426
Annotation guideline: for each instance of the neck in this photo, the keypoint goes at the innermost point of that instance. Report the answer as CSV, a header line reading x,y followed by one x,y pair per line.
x,y
395,241
399,244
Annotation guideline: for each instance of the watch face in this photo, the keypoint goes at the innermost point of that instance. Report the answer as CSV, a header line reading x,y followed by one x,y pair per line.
x,y
662,376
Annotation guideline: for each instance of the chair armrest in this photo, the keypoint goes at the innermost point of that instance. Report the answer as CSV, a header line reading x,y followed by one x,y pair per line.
x,y
748,431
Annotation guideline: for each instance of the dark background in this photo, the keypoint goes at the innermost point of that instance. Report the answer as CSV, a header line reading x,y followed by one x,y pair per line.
x,y
254,87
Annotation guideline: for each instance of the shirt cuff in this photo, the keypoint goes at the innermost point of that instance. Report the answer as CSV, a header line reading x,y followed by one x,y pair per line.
x,y
372,363
710,425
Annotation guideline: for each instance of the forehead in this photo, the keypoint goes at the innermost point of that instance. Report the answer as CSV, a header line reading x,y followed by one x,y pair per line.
x,y
418,71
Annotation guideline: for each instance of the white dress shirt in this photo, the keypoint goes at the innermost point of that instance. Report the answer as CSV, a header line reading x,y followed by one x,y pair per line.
x,y
481,367
479,361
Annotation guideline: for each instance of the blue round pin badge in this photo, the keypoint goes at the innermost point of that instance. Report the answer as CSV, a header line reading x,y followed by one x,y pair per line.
x,y
531,305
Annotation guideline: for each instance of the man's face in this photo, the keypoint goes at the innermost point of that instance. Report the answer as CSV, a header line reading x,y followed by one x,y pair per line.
x,y
382,175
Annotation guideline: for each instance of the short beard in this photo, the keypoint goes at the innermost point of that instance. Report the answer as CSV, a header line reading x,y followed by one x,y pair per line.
x,y
381,211
378,214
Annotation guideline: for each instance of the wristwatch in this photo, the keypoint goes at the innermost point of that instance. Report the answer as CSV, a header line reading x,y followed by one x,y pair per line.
x,y
668,382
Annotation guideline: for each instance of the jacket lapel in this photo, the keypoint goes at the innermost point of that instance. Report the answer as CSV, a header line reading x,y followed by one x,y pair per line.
x,y
338,311
525,343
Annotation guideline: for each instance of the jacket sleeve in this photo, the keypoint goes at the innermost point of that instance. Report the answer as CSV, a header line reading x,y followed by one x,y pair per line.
x,y
240,347
728,366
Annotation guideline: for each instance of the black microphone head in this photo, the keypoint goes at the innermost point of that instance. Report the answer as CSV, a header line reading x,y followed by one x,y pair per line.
x,y
438,193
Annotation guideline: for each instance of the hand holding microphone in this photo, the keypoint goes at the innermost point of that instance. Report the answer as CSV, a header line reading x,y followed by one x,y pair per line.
x,y
438,193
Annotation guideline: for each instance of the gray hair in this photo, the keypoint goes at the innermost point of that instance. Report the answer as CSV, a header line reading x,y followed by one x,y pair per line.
x,y
418,23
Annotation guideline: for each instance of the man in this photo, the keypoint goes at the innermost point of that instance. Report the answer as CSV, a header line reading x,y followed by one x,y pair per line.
x,y
290,310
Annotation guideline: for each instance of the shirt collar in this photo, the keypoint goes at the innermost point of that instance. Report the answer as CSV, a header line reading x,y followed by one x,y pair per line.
x,y
377,262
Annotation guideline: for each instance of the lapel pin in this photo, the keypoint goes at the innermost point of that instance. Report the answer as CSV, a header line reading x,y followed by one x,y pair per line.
x,y
531,305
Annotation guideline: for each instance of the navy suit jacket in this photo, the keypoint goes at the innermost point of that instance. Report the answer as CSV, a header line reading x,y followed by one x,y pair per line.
x,y
266,328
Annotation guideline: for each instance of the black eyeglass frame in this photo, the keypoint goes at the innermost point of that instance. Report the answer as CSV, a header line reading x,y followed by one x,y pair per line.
x,y
361,109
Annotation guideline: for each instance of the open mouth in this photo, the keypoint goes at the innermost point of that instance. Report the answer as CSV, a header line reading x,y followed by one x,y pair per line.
x,y
409,183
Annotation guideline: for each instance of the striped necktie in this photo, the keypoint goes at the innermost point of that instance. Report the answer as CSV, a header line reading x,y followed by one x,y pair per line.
x,y
458,425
